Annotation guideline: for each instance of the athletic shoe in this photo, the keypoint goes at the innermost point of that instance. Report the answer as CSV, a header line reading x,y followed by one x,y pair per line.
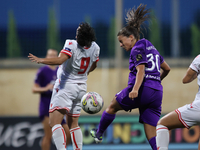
x,y
93,134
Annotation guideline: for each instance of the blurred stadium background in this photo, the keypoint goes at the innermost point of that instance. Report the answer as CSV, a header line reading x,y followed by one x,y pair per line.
x,y
35,26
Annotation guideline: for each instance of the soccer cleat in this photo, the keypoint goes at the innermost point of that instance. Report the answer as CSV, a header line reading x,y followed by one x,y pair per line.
x,y
93,134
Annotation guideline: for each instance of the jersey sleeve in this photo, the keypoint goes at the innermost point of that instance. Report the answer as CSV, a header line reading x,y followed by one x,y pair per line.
x,y
96,54
68,48
195,65
138,54
161,59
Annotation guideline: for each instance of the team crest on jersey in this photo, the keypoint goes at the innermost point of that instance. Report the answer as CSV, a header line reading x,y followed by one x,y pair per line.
x,y
68,49
138,57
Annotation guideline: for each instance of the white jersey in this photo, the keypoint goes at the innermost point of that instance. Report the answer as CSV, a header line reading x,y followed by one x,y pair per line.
x,y
195,65
189,113
76,68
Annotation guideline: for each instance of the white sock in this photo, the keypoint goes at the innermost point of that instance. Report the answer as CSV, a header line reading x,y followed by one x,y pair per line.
x,y
59,137
77,138
162,137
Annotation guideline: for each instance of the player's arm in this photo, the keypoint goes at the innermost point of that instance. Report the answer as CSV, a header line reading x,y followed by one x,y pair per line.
x,y
139,79
49,61
165,69
94,65
189,76
38,89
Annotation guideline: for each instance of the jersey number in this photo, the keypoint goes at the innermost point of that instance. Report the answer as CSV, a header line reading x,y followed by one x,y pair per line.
x,y
84,64
154,64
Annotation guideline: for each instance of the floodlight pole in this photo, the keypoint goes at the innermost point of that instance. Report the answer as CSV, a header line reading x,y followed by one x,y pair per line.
x,y
175,48
118,49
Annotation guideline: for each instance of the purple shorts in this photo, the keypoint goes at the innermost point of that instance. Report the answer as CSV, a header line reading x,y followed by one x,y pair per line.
x,y
148,101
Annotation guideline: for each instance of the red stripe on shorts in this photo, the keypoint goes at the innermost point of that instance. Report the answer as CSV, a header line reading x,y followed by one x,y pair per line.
x,y
181,119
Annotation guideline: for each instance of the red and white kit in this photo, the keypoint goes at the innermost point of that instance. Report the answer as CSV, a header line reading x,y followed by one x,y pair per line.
x,y
189,113
71,85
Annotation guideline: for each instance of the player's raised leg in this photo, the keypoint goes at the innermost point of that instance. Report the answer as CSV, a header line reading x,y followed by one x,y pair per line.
x,y
107,118
58,132
166,123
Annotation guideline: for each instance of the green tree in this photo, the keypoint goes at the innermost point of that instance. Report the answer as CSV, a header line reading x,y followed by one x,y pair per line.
x,y
195,39
52,32
111,38
13,46
155,36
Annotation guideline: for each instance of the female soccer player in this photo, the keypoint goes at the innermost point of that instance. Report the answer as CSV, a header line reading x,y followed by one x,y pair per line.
x,y
43,85
183,117
144,89
77,58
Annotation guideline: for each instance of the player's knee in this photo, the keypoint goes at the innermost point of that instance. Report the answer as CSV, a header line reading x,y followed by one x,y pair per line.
x,y
160,122
113,107
110,110
51,123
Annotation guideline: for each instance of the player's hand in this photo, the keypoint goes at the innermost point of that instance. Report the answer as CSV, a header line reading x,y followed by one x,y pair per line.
x,y
33,58
133,94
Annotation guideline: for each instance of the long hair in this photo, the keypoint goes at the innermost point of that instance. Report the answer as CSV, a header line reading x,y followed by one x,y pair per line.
x,y
85,35
134,19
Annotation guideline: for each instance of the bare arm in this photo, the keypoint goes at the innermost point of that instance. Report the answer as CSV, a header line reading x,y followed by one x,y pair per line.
x,y
49,61
189,76
139,79
165,69
94,65
38,89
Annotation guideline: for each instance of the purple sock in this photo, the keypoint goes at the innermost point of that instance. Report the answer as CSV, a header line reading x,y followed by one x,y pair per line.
x,y
106,120
152,142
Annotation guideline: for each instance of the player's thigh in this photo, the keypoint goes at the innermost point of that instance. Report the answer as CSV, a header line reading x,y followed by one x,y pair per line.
x,y
113,107
46,127
171,121
79,91
56,117
65,97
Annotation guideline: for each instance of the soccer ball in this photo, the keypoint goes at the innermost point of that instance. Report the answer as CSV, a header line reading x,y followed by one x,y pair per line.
x,y
91,102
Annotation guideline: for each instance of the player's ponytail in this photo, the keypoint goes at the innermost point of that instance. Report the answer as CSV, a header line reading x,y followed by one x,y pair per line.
x,y
135,18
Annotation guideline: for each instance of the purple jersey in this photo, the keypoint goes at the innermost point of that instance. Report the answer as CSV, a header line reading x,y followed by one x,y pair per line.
x,y
45,75
144,52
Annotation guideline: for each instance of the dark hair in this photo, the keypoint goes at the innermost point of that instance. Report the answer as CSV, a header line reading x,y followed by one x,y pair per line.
x,y
85,35
135,18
